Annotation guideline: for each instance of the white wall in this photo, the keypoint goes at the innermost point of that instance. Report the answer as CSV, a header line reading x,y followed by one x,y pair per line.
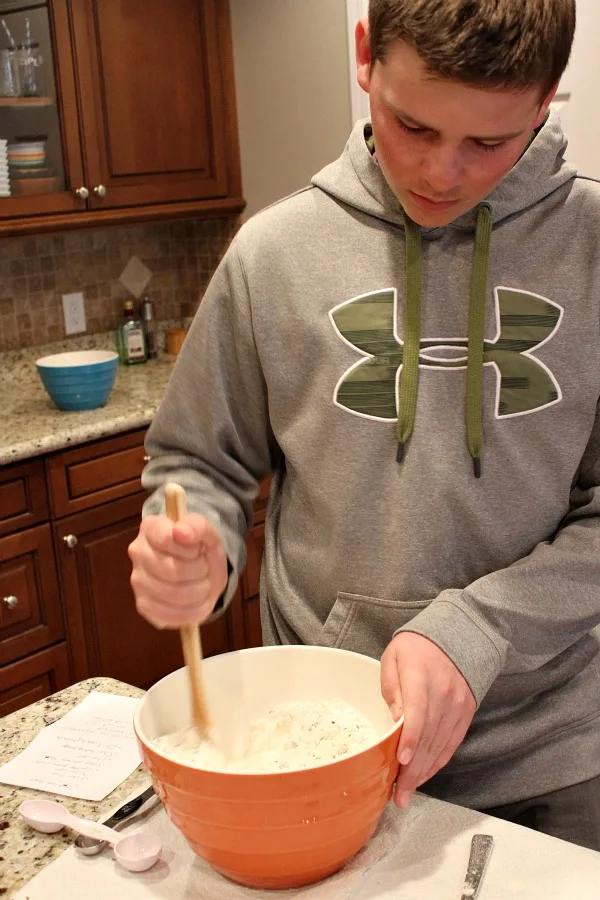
x,y
295,79
579,112
355,10
293,94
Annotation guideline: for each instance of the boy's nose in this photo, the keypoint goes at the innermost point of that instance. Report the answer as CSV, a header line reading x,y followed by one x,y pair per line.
x,y
442,170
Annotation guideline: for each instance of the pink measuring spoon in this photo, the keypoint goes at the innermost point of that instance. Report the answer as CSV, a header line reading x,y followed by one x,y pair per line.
x,y
135,852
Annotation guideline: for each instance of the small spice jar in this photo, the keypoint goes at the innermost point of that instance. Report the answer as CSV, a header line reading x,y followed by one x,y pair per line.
x,y
175,339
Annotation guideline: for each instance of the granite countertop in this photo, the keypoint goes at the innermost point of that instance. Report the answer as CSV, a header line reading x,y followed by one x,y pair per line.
x,y
33,425
23,851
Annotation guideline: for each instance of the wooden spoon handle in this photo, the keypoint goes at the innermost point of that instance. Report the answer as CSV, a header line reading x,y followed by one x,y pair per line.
x,y
176,509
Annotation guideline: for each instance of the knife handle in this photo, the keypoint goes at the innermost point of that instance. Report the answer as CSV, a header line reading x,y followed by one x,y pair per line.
x,y
481,850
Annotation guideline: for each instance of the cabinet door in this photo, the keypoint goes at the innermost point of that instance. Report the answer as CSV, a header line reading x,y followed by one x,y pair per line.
x,y
157,100
41,163
106,634
30,613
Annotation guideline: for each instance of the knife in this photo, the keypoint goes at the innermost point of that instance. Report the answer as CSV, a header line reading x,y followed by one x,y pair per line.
x,y
92,846
481,850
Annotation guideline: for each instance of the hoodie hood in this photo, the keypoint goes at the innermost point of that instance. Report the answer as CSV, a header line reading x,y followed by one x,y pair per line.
x,y
357,180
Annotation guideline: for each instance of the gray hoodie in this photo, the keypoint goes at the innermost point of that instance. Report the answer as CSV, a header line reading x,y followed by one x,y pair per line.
x,y
294,365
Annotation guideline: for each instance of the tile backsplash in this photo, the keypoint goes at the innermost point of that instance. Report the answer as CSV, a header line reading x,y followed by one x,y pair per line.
x,y
36,271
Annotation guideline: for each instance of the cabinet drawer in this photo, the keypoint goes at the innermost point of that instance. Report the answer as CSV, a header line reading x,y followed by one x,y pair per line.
x,y
30,611
23,496
33,678
96,473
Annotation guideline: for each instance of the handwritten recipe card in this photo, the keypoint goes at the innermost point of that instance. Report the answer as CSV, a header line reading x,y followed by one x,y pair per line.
x,y
85,754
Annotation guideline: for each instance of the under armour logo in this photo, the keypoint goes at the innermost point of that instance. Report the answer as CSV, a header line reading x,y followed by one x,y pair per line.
x,y
525,322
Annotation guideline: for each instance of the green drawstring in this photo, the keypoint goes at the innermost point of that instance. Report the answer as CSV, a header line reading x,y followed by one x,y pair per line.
x,y
409,385
476,335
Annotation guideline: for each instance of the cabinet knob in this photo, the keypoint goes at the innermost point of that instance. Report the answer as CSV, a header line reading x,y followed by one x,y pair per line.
x,y
70,540
100,191
82,193
147,458
10,602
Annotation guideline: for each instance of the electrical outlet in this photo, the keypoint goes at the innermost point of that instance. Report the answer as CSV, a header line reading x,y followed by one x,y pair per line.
x,y
74,313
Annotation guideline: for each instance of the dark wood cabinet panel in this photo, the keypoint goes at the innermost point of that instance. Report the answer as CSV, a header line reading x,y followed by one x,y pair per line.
x,y
252,626
30,611
236,622
107,635
255,545
33,678
154,112
69,576
84,477
23,496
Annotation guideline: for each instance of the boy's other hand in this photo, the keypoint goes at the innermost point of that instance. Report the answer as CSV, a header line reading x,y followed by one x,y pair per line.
x,y
419,680
179,570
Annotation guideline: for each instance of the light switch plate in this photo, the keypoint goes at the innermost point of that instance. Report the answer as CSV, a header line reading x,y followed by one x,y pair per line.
x,y
74,313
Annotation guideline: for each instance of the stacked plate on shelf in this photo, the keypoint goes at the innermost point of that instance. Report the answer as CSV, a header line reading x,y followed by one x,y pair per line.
x,y
4,182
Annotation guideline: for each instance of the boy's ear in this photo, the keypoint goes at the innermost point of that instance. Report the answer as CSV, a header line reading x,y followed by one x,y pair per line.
x,y
545,105
363,54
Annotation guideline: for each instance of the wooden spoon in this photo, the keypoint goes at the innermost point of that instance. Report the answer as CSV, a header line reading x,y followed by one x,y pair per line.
x,y
176,509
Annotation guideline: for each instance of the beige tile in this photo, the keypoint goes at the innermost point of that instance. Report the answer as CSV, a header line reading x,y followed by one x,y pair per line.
x,y
36,271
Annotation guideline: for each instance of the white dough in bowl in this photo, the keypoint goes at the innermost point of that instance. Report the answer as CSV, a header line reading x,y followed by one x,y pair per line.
x,y
293,735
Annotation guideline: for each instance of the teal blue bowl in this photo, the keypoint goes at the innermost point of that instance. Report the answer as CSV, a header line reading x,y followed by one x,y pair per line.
x,y
82,379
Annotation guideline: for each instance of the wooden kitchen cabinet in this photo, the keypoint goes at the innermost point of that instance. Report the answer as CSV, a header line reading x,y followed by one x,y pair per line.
x,y
75,614
250,582
137,110
101,483
106,634
154,113
255,544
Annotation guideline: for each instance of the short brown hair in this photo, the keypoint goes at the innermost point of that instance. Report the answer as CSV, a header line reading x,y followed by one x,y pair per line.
x,y
488,43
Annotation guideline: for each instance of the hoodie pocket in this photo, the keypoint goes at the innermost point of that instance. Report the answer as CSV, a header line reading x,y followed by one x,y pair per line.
x,y
366,624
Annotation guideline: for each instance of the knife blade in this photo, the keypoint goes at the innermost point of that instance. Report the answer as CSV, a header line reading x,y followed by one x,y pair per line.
x,y
481,850
91,846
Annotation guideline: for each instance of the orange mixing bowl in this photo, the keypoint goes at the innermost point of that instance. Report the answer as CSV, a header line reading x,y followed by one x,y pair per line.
x,y
285,829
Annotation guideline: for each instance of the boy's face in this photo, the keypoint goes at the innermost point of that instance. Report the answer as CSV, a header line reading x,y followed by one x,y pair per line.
x,y
443,146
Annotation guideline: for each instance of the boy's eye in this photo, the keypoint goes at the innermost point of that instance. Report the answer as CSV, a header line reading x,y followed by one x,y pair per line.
x,y
483,145
490,148
409,128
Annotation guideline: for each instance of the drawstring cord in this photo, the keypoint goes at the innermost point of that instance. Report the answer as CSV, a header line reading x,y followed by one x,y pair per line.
x,y
476,335
409,382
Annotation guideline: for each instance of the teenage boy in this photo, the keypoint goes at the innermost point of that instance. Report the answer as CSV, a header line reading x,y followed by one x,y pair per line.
x,y
410,345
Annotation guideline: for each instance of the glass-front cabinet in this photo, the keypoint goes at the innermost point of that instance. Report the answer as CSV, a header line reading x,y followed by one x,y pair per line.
x,y
35,171
113,110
